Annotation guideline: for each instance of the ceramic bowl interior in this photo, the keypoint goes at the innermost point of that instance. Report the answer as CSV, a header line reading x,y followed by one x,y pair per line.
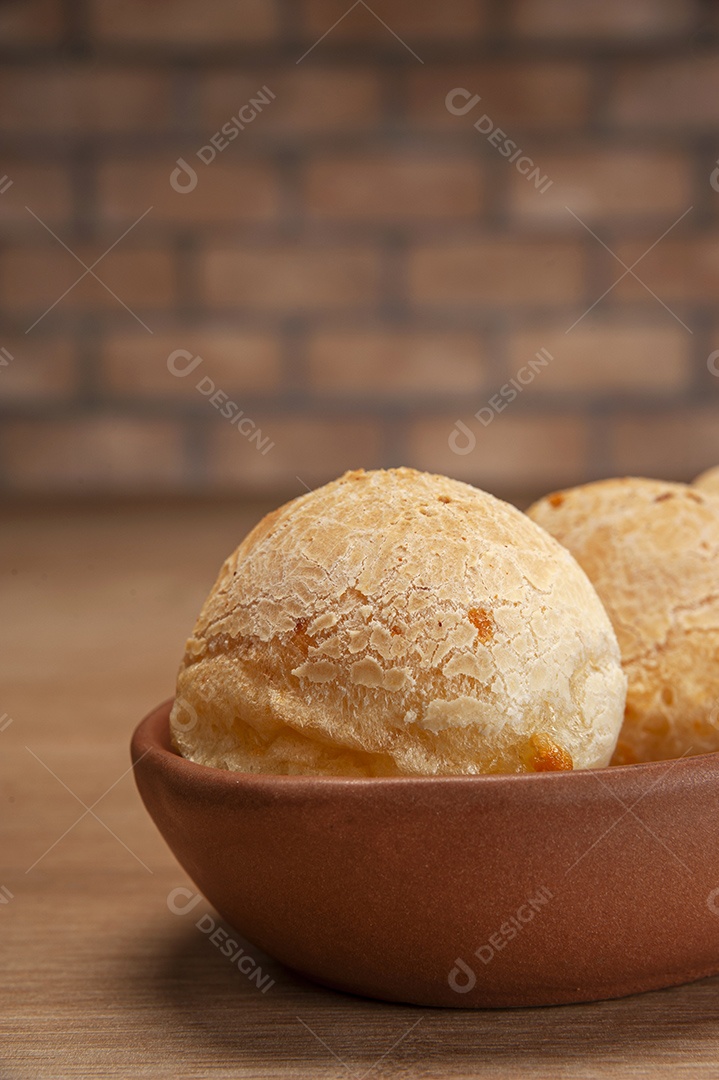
x,y
462,892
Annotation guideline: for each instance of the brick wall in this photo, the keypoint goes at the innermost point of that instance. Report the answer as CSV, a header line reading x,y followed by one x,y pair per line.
x,y
367,262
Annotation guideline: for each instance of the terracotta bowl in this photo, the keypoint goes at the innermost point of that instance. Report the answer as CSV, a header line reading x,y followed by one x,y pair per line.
x,y
455,891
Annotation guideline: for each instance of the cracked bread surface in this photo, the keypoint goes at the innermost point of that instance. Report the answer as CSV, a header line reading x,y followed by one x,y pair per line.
x,y
399,623
651,549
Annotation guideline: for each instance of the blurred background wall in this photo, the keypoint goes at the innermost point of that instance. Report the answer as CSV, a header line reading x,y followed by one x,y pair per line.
x,y
387,213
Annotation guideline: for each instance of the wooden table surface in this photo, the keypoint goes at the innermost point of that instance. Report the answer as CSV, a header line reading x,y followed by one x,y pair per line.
x,y
98,978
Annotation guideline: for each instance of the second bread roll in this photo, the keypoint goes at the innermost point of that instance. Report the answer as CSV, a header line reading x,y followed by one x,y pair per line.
x,y
709,481
651,550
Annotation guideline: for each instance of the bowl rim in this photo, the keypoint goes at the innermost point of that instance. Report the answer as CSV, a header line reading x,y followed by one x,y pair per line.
x,y
151,739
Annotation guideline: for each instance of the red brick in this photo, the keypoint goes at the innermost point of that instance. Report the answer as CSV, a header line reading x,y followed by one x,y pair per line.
x,y
668,94
41,369
671,445
93,454
226,192
532,95
294,278
365,188
31,22
513,453
306,100
34,278
237,361
682,271
43,186
605,357
315,450
502,272
84,100
396,364
184,22
418,19
610,19
598,184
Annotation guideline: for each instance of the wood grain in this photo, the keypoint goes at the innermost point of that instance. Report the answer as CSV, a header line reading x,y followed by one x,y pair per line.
x,y
99,978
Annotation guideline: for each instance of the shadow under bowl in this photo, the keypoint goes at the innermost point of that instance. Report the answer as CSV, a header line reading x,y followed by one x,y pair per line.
x,y
459,891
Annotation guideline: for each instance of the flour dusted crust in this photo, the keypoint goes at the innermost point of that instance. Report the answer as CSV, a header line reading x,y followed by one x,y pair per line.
x,y
709,481
398,623
651,550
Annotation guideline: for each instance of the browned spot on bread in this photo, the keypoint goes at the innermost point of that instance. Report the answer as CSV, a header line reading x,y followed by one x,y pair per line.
x,y
443,499
557,499
665,496
695,497
544,755
395,630
483,620
301,639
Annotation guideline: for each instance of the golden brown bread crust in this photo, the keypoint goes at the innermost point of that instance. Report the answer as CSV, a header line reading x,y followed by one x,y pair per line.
x,y
651,550
398,623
